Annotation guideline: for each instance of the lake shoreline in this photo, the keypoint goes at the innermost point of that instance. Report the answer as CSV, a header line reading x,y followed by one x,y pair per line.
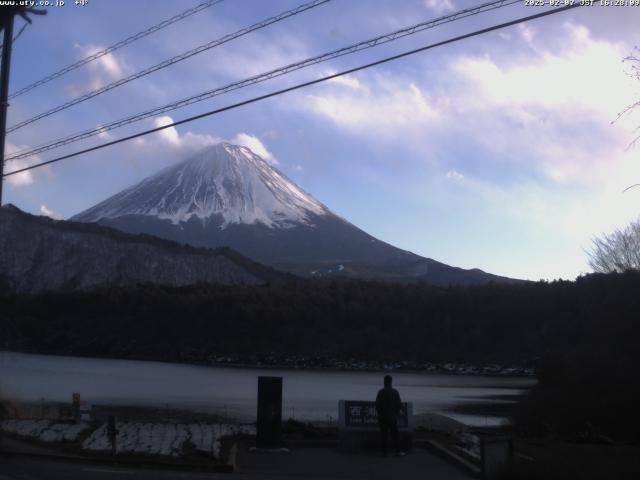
x,y
309,394
356,366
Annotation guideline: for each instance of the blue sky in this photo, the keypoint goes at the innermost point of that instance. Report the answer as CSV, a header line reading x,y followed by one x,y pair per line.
x,y
497,152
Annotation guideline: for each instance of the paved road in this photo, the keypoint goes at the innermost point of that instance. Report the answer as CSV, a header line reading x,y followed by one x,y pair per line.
x,y
20,468
326,463
303,464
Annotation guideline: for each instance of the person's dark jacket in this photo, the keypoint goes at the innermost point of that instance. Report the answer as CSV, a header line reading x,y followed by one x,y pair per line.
x,y
388,405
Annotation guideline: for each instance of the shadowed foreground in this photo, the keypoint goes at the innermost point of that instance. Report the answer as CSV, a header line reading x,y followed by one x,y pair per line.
x,y
302,463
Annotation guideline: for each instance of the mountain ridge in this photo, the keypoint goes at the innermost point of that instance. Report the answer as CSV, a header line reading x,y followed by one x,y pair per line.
x,y
228,195
48,254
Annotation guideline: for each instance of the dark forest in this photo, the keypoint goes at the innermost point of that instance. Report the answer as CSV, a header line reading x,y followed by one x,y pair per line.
x,y
582,337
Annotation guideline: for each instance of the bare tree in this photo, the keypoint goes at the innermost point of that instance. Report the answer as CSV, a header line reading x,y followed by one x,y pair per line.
x,y
618,251
634,72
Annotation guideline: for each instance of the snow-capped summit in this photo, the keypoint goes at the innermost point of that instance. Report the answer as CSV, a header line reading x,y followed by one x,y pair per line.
x,y
224,181
226,195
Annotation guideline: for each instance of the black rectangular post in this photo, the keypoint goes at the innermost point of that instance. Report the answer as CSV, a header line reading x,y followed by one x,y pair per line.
x,y
75,406
269,412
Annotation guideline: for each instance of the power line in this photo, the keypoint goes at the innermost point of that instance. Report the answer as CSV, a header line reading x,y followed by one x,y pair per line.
x,y
167,63
300,85
363,45
116,46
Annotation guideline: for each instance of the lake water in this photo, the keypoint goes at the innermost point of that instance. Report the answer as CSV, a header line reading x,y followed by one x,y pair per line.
x,y
307,394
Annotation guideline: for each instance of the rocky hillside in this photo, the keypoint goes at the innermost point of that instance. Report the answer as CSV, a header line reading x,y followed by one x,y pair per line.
x,y
44,254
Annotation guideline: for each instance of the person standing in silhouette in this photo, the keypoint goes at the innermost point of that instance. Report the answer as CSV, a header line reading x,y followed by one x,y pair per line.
x,y
388,407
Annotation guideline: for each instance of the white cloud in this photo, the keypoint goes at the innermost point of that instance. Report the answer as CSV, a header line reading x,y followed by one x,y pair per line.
x,y
527,33
23,178
188,142
19,179
44,210
565,79
169,135
346,80
531,130
102,71
108,64
563,220
544,110
547,111
255,145
258,54
381,109
146,155
440,6
454,175
104,134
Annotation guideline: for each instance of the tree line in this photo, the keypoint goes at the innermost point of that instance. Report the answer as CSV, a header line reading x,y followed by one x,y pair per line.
x,y
582,336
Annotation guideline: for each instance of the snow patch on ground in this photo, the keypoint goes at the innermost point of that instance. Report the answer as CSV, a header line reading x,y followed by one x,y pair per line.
x,y
133,437
165,438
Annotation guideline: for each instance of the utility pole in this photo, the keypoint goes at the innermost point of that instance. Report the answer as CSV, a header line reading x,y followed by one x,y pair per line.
x,y
7,15
4,89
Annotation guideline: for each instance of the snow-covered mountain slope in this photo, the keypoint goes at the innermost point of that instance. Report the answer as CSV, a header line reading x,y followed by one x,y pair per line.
x,y
228,196
223,181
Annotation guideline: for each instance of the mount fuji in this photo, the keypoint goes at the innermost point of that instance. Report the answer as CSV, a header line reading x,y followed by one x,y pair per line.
x,y
226,195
